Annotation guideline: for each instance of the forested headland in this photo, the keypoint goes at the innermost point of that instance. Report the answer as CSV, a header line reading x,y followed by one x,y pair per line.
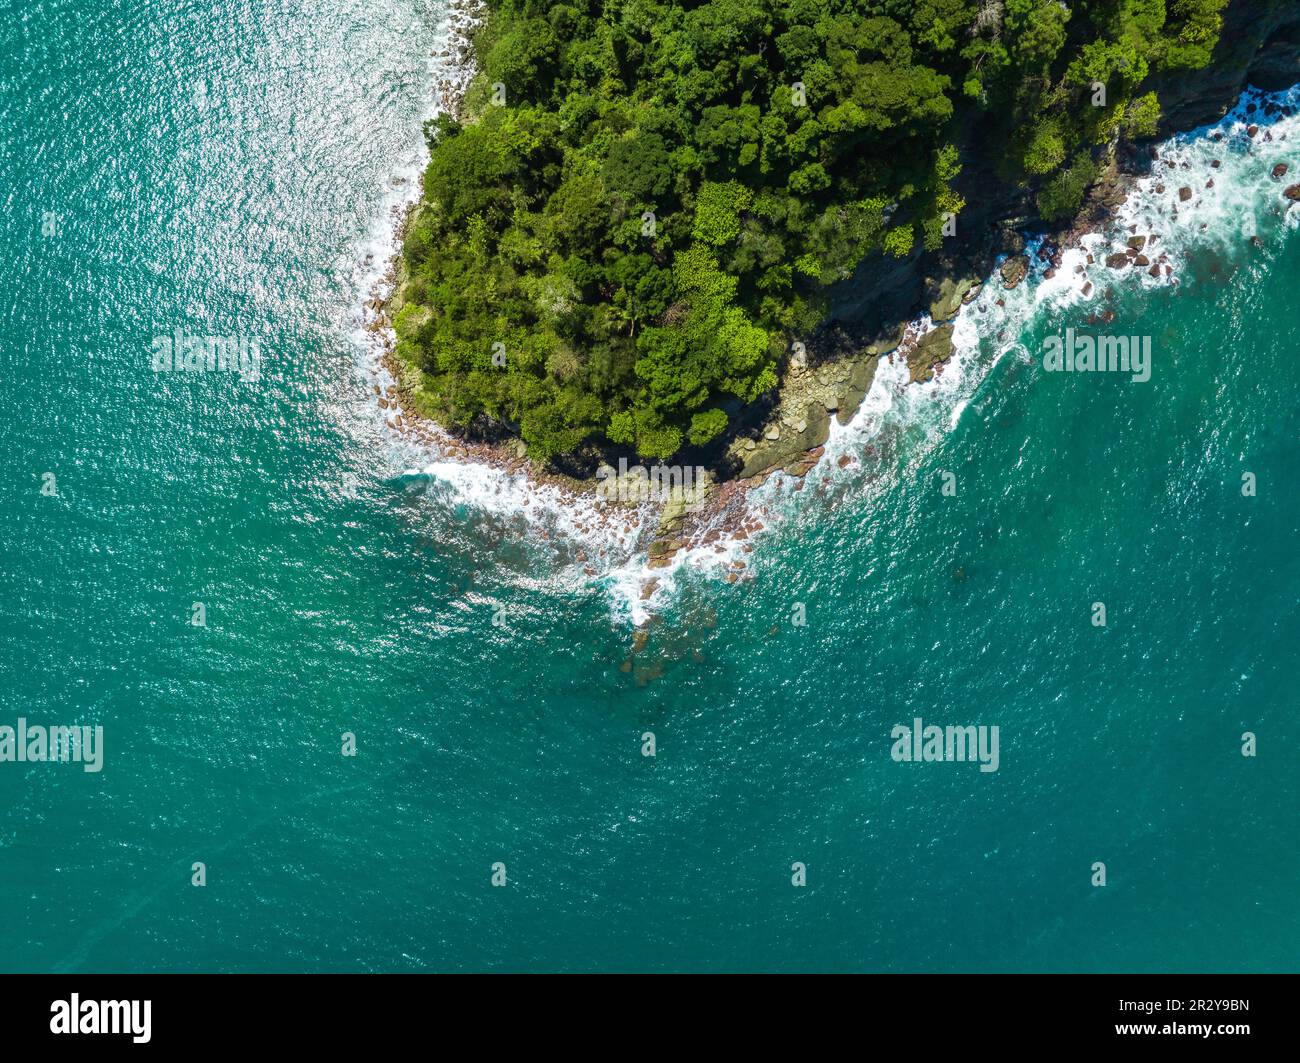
x,y
644,203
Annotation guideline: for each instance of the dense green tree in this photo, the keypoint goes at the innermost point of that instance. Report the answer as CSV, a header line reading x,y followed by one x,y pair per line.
x,y
649,199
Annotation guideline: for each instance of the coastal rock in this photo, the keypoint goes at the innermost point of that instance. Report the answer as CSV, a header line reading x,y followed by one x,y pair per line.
x,y
1137,242
684,499
1293,193
790,446
861,374
933,349
952,294
887,342
1117,261
1279,171
1184,194
1013,271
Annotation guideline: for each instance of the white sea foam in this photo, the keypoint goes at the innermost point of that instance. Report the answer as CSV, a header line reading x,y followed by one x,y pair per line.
x,y
446,80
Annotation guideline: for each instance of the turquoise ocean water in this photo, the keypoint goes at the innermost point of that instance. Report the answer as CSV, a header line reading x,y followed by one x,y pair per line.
x,y
225,167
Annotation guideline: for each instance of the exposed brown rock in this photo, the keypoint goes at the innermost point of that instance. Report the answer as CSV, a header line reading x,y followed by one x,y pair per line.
x,y
1013,271
932,349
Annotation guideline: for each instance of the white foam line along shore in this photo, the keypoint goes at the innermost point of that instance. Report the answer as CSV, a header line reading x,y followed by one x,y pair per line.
x,y
1230,172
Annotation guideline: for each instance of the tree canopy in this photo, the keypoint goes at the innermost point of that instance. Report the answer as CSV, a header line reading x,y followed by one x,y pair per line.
x,y
650,198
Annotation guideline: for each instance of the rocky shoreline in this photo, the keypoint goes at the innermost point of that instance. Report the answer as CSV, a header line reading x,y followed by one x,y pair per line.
x,y
792,435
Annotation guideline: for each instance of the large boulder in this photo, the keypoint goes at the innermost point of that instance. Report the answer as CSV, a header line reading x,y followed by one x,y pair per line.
x,y
859,383
934,348
1014,270
952,293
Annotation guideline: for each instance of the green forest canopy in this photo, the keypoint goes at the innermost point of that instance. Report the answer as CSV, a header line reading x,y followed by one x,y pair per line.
x,y
652,198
